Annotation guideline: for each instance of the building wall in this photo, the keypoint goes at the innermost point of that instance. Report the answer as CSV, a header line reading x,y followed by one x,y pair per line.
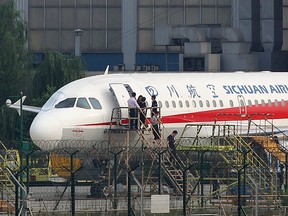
x,y
285,25
51,24
177,12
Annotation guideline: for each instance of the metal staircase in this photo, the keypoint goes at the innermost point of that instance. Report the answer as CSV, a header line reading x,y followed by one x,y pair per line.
x,y
244,156
173,170
172,166
235,151
273,147
270,142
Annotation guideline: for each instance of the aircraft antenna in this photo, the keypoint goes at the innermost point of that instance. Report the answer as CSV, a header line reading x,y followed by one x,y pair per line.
x,y
106,70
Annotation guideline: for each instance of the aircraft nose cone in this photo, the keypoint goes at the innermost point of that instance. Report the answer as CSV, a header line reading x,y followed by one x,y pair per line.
x,y
46,131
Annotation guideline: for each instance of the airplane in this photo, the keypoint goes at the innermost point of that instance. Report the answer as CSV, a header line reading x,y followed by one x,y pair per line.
x,y
82,109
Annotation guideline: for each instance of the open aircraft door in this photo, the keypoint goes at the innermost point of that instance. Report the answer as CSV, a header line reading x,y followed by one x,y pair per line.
x,y
121,94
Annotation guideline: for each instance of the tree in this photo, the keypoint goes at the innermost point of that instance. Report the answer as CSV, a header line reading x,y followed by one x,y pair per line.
x,y
15,66
15,61
17,74
55,71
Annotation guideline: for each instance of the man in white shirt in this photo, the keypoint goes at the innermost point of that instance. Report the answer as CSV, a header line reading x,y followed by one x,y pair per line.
x,y
133,111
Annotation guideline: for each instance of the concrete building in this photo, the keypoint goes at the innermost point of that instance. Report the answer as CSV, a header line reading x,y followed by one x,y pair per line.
x,y
165,35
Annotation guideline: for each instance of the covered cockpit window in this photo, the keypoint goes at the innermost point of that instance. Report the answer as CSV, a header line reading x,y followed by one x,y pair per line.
x,y
83,103
67,103
95,103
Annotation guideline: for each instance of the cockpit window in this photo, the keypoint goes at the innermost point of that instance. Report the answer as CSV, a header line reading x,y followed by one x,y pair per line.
x,y
54,99
69,102
83,103
95,103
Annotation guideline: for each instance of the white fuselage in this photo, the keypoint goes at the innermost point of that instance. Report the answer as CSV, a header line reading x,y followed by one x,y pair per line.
x,y
183,97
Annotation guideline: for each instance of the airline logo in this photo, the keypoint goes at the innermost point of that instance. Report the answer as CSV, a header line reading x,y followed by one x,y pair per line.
x,y
151,90
255,89
191,90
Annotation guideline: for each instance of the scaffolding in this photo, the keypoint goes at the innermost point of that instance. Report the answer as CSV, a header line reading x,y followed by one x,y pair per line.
x,y
218,169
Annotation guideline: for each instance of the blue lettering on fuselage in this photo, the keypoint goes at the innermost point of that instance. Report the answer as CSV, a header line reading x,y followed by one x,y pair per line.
x,y
256,89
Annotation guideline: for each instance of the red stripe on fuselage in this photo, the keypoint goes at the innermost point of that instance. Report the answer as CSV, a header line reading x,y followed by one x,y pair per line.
x,y
227,114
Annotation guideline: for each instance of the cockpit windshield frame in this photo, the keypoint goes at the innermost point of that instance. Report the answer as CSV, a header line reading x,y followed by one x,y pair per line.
x,y
54,99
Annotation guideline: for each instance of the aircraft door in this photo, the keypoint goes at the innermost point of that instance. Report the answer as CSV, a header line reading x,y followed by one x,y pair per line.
x,y
242,105
121,94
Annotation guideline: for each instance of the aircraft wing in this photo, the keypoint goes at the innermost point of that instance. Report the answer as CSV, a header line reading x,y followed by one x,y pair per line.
x,y
16,106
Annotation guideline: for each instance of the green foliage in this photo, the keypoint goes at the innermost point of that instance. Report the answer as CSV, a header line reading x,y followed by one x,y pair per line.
x,y
54,72
16,74
15,61
39,101
15,67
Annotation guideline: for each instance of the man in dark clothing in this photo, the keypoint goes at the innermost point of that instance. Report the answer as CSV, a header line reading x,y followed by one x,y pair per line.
x,y
172,146
143,110
155,126
154,105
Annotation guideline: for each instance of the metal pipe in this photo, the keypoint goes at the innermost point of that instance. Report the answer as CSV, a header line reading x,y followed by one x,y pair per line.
x,y
159,173
256,195
239,193
141,194
184,193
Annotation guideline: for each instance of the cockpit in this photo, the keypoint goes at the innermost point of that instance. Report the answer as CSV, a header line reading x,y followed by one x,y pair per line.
x,y
59,101
81,102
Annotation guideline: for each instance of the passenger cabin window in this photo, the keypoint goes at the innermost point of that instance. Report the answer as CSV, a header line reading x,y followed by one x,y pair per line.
x,y
231,103
256,103
249,103
160,104
173,104
214,103
187,104
263,103
269,103
67,103
221,103
283,103
83,103
180,104
276,103
207,103
200,103
95,103
167,104
193,103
